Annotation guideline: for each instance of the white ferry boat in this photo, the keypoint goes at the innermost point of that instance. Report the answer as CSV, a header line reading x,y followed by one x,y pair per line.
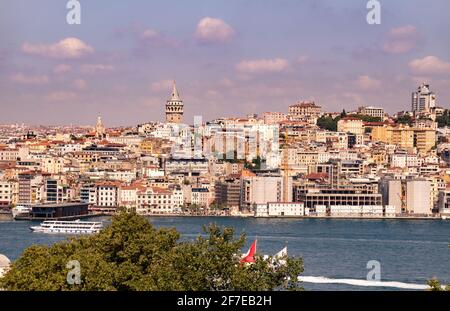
x,y
68,227
21,211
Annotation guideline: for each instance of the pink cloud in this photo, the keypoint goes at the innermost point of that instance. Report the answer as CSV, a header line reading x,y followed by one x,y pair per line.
x,y
62,68
96,68
66,48
213,30
226,83
154,38
429,65
401,40
29,79
263,66
80,84
146,37
59,96
162,86
303,59
367,83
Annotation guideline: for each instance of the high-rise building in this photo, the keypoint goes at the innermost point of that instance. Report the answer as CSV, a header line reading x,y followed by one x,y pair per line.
x,y
423,100
264,189
411,196
393,194
228,192
417,196
174,107
30,187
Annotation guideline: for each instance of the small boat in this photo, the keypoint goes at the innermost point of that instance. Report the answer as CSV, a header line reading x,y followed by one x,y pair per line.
x,y
21,211
443,217
68,227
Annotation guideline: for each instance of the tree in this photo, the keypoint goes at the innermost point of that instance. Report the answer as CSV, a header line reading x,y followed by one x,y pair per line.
x,y
194,207
444,120
255,164
404,119
435,286
328,123
217,206
130,254
366,118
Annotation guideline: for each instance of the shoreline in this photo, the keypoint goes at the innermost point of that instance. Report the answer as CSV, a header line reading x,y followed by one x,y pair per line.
x,y
294,217
8,217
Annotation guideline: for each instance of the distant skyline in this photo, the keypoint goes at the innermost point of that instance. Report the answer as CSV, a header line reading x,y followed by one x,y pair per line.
x,y
229,58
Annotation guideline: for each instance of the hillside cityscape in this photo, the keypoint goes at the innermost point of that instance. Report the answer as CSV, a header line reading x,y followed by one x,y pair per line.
x,y
301,162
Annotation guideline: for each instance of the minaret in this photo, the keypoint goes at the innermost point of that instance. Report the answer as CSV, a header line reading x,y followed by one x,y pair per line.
x,y
174,107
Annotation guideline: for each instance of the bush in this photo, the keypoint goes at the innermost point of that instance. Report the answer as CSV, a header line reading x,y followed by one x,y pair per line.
x,y
130,254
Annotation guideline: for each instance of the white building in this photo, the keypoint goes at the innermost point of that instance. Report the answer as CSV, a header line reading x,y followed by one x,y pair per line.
x,y
389,211
280,209
391,191
8,154
121,175
200,197
351,125
128,195
108,194
157,200
52,165
88,194
375,112
423,100
444,202
152,171
403,160
264,189
418,196
9,191
274,117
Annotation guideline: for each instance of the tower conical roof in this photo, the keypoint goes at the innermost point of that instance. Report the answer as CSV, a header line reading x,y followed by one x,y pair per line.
x,y
175,95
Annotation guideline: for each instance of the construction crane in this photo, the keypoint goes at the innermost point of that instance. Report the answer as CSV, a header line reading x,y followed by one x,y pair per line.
x,y
402,199
285,167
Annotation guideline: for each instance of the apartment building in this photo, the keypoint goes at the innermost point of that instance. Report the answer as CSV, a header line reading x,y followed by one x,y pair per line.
x,y
262,189
351,125
8,193
107,194
370,111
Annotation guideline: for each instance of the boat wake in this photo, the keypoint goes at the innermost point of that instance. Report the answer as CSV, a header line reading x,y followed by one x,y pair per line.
x,y
358,282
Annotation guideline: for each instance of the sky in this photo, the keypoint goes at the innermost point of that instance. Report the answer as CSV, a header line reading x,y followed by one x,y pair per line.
x,y
229,58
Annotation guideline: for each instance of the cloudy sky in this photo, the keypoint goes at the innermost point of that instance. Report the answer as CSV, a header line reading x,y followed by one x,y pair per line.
x,y
229,57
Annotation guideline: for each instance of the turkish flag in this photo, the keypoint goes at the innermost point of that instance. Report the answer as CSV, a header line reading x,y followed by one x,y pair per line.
x,y
250,255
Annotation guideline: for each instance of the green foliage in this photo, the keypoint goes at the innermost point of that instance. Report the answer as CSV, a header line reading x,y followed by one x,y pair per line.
x,y
405,119
130,254
255,164
328,123
436,286
218,206
194,207
444,120
367,118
